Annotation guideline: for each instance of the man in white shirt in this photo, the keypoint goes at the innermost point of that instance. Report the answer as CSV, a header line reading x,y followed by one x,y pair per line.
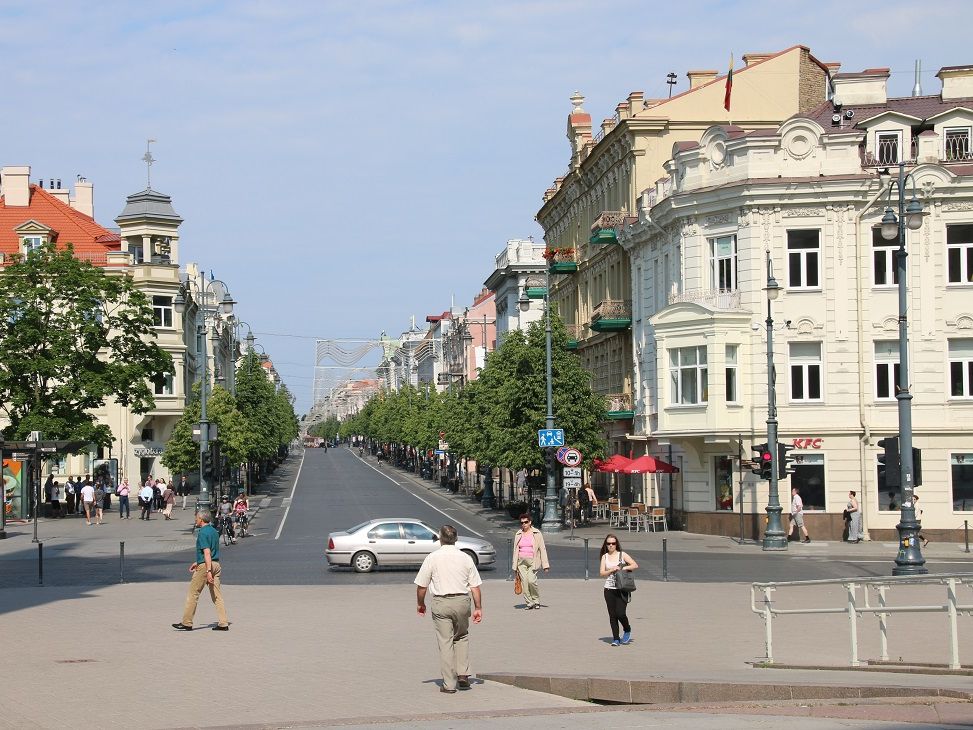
x,y
146,494
451,576
88,500
797,515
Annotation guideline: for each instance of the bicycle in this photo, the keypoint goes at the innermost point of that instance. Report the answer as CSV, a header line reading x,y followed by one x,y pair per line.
x,y
243,524
224,526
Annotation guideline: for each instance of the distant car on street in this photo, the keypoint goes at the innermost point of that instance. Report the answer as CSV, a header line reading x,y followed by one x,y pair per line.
x,y
396,541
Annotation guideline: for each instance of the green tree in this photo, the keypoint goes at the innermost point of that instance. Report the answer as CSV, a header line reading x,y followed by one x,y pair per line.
x,y
71,337
234,435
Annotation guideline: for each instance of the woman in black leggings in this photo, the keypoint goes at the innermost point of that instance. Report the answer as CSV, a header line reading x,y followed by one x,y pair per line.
x,y
613,560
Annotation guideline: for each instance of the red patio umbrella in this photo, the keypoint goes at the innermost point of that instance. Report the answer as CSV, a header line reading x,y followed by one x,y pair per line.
x,y
614,464
646,464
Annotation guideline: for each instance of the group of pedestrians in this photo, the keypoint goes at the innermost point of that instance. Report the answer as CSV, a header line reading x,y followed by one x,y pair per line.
x,y
452,578
92,497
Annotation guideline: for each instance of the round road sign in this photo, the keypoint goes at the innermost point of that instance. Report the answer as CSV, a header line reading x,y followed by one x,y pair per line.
x,y
572,457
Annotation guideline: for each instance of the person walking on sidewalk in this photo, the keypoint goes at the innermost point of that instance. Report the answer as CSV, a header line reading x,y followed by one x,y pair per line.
x,y
70,494
206,572
169,500
88,500
529,555
614,560
145,501
797,516
451,576
854,518
124,509
184,490
99,502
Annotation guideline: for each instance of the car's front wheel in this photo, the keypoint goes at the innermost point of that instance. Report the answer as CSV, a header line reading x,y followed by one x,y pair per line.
x,y
363,562
472,555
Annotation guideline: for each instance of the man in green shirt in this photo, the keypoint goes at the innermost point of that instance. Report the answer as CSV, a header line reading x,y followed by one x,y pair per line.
x,y
205,571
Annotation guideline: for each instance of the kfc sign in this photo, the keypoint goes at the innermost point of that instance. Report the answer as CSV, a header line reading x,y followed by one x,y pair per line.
x,y
808,443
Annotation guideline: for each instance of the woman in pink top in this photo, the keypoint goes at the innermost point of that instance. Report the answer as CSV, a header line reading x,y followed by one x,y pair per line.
x,y
529,554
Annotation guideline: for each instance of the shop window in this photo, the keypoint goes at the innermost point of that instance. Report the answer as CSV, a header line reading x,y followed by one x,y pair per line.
x,y
723,479
808,477
889,498
961,477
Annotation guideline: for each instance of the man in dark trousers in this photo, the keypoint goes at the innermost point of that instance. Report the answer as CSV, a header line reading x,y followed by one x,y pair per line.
x,y
206,572
451,576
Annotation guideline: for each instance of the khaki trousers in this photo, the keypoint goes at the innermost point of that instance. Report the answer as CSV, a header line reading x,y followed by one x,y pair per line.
x,y
451,620
196,586
528,579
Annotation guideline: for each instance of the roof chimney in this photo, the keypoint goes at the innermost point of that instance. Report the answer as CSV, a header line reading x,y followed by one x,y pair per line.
x,y
957,82
84,198
15,186
698,78
751,58
917,88
867,87
579,128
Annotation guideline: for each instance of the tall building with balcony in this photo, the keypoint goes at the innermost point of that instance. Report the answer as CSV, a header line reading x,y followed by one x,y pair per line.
x,y
810,193
587,207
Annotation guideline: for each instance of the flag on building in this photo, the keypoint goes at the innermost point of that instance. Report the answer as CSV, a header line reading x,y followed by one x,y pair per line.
x,y
729,85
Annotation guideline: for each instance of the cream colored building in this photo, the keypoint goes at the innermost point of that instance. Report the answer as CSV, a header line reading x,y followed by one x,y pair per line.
x,y
586,208
812,192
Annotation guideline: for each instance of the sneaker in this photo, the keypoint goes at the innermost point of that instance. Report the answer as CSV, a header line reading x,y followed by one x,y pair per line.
x,y
626,637
616,642
182,627
807,539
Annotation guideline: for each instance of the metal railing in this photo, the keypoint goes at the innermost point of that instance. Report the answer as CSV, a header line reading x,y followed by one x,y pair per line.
x,y
609,219
619,401
956,146
715,299
612,309
854,608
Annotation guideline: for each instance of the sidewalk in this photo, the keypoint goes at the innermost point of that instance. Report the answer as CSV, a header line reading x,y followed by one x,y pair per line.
x,y
324,655
685,541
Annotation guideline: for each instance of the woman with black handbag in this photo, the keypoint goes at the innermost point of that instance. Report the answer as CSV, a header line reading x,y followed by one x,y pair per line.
x,y
616,568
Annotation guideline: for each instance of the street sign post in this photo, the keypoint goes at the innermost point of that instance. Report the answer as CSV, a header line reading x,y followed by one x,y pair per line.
x,y
572,457
547,437
571,471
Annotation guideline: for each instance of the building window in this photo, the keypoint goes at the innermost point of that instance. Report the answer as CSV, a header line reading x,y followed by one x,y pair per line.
x,y
889,498
961,476
32,243
887,147
148,434
956,143
723,479
162,311
959,253
808,477
805,361
961,368
886,369
803,259
732,395
723,263
163,385
884,271
687,371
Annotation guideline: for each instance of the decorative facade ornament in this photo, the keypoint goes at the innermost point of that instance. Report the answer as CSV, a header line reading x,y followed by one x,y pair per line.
x,y
958,207
717,220
806,326
803,212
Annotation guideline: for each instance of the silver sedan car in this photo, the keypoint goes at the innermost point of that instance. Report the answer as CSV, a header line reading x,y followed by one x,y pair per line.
x,y
396,541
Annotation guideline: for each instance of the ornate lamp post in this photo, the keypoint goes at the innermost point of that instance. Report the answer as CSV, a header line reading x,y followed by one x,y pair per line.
x,y
774,537
909,560
206,317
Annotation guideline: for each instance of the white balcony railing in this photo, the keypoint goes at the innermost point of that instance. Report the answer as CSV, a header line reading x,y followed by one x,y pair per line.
x,y
722,300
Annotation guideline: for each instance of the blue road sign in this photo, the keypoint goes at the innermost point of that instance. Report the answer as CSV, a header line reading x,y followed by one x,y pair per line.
x,y
440,451
550,437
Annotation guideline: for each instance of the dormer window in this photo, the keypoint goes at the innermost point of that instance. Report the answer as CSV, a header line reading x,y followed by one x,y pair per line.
x,y
887,145
31,243
956,141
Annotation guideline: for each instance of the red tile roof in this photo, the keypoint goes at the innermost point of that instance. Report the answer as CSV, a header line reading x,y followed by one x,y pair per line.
x,y
921,107
91,241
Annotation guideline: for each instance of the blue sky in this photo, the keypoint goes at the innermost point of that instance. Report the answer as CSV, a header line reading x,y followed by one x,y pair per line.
x,y
344,166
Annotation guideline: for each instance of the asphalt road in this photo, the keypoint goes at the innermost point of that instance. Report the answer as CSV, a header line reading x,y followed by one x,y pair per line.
x,y
335,489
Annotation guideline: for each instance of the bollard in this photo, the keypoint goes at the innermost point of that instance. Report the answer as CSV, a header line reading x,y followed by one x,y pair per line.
x,y
966,531
510,555
665,560
40,563
586,558
121,561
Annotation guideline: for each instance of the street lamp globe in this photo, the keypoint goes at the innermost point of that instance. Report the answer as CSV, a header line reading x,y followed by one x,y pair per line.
x,y
913,215
228,303
179,303
524,301
890,225
772,288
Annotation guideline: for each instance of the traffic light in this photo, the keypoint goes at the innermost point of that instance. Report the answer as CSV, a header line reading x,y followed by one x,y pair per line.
x,y
758,459
207,463
888,462
767,464
784,461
